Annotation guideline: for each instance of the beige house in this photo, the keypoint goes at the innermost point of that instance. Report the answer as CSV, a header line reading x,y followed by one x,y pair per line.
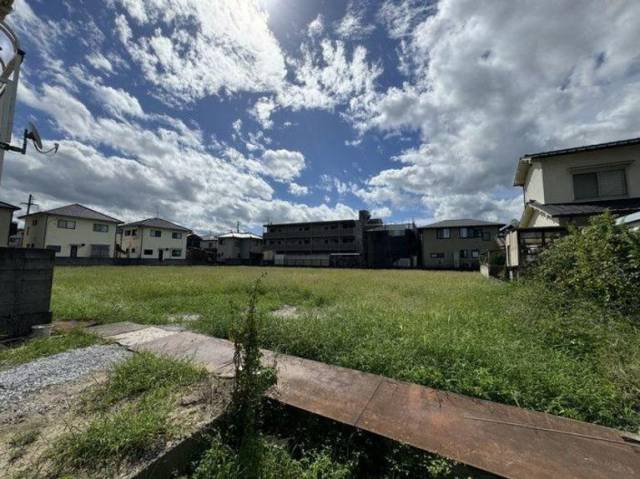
x,y
72,231
568,186
6,217
457,244
239,248
153,239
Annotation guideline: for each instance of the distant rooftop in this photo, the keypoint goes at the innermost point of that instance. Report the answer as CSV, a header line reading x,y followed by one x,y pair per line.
x,y
158,223
240,236
460,223
77,211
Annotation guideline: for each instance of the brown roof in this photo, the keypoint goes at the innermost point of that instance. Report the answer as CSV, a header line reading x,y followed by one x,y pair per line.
x,y
158,223
77,211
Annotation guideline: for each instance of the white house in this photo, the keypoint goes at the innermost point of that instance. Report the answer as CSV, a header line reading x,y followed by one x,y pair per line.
x,y
563,187
6,217
239,248
153,239
72,231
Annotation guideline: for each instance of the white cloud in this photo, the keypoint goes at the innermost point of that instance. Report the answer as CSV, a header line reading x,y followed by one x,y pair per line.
x,y
98,61
191,50
489,84
352,26
262,111
316,27
383,212
283,164
298,190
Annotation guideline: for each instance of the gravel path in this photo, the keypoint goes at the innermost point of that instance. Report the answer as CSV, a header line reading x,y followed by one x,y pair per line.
x,y
21,381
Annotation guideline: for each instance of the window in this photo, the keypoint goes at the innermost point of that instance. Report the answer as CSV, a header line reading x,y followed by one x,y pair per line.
x,y
67,224
54,247
486,236
148,252
464,232
134,232
99,250
464,253
176,235
127,232
599,184
100,228
34,222
443,233
155,233
347,240
176,252
437,255
475,253
133,250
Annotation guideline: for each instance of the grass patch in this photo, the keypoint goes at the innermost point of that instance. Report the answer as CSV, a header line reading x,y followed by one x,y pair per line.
x,y
133,415
41,347
143,373
449,330
115,437
20,441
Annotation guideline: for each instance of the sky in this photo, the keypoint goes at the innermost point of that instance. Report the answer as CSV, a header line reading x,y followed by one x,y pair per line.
x,y
211,113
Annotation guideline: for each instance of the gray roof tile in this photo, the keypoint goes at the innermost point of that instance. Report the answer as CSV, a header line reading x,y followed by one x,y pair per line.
x,y
78,211
158,223
461,223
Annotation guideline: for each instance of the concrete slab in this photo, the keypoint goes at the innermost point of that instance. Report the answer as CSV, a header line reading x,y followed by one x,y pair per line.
x,y
113,329
141,336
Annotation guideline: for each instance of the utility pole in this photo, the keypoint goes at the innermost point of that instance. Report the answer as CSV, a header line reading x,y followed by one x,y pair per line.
x,y
29,204
237,227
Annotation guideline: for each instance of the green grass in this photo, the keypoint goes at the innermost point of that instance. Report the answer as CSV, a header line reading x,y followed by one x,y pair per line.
x,y
37,348
450,330
133,415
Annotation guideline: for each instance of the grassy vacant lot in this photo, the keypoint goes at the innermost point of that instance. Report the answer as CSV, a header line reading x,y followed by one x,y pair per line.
x,y
450,330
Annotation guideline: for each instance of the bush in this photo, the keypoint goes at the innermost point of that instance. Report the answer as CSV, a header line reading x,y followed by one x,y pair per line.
x,y
599,263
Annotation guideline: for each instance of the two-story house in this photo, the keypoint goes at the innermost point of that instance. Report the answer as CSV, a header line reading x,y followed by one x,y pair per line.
x,y
153,239
457,244
568,186
72,231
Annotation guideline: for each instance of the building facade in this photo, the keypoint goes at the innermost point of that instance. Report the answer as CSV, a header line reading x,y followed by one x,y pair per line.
x,y
319,243
153,239
239,248
568,186
6,218
458,244
72,231
392,246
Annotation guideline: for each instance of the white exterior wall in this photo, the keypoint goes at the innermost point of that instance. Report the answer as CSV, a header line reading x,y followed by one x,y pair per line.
x,y
6,215
558,179
46,233
144,241
539,219
534,184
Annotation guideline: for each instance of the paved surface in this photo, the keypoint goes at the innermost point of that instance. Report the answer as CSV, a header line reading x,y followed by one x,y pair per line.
x,y
501,439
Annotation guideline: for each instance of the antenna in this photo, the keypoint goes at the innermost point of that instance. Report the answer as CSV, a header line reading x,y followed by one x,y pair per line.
x,y
30,133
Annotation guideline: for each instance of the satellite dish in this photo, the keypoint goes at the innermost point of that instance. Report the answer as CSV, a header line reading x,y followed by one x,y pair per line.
x,y
32,133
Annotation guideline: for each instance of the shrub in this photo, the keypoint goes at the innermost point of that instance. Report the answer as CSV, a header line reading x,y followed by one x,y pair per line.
x,y
599,263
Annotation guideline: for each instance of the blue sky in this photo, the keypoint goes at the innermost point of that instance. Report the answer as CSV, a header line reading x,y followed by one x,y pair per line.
x,y
208,113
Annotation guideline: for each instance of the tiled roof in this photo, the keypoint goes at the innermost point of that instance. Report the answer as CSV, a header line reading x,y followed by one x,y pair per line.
x,y
78,211
158,223
461,223
598,146
625,205
8,206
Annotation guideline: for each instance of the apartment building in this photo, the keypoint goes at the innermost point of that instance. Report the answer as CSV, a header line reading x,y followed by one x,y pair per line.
x,y
6,218
72,231
458,244
319,243
568,186
154,240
